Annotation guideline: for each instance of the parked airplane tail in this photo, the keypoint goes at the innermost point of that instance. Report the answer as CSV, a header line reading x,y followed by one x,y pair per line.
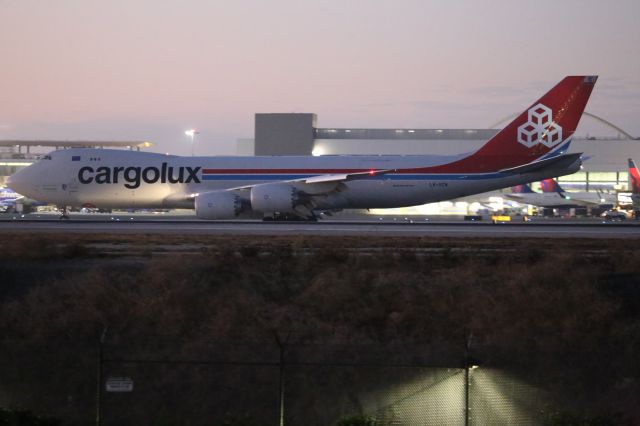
x,y
551,185
9,195
634,177
522,189
541,131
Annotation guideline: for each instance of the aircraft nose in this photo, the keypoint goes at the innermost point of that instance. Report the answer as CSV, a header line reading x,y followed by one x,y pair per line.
x,y
18,183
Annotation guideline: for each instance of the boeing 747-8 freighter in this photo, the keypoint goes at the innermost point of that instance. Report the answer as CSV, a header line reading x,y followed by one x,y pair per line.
x,y
531,148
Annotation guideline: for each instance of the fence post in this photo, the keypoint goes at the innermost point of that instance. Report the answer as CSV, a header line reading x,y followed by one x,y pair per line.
x,y
99,377
282,344
466,394
467,362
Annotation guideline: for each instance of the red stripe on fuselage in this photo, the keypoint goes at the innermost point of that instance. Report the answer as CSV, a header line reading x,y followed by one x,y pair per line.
x,y
437,169
281,171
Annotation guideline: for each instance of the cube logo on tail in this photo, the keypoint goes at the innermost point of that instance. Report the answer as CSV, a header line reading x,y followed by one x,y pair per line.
x,y
540,128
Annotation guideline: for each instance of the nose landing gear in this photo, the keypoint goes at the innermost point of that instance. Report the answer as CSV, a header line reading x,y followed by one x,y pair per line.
x,y
64,213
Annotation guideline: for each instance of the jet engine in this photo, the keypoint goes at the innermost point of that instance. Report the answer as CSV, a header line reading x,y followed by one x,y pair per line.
x,y
218,205
274,197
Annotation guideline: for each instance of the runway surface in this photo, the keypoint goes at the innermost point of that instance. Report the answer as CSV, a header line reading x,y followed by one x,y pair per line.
x,y
134,225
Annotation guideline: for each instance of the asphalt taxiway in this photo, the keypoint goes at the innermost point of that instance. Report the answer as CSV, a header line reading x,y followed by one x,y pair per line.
x,y
145,225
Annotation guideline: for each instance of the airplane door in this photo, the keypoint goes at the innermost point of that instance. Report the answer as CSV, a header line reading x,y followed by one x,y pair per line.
x,y
73,187
70,189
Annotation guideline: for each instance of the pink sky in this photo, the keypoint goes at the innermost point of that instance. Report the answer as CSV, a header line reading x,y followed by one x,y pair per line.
x,y
150,69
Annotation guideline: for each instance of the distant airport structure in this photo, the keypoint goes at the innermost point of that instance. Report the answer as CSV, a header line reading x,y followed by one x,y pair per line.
x,y
298,134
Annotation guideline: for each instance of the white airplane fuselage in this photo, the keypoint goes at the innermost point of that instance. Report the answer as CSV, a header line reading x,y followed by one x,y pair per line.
x,y
564,200
9,197
546,200
128,179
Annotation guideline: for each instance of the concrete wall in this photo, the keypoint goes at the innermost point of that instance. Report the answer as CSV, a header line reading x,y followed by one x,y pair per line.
x,y
284,134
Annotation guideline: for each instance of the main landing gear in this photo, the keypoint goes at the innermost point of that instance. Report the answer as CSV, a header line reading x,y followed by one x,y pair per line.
x,y
289,217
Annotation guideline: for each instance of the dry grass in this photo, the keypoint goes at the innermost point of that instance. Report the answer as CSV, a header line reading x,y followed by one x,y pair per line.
x,y
34,246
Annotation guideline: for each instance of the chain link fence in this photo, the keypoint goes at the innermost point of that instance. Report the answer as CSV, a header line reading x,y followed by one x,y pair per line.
x,y
268,384
308,385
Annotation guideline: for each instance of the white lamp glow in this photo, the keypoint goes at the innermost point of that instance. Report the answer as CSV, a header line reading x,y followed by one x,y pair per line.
x,y
192,134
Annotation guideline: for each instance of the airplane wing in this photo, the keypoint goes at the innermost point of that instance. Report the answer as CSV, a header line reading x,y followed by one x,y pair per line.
x,y
313,186
311,191
328,182
344,177
589,202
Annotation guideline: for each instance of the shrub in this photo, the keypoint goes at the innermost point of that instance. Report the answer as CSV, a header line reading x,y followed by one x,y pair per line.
x,y
357,421
25,418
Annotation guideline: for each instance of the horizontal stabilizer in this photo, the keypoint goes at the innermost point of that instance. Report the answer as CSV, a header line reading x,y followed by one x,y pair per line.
x,y
558,161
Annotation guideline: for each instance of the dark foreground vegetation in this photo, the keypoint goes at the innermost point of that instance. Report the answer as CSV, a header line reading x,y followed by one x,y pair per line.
x,y
200,317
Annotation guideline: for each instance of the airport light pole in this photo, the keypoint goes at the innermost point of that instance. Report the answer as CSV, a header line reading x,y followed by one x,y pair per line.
x,y
192,134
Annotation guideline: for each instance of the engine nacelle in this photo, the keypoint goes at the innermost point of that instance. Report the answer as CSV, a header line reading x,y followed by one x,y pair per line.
x,y
273,197
218,205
